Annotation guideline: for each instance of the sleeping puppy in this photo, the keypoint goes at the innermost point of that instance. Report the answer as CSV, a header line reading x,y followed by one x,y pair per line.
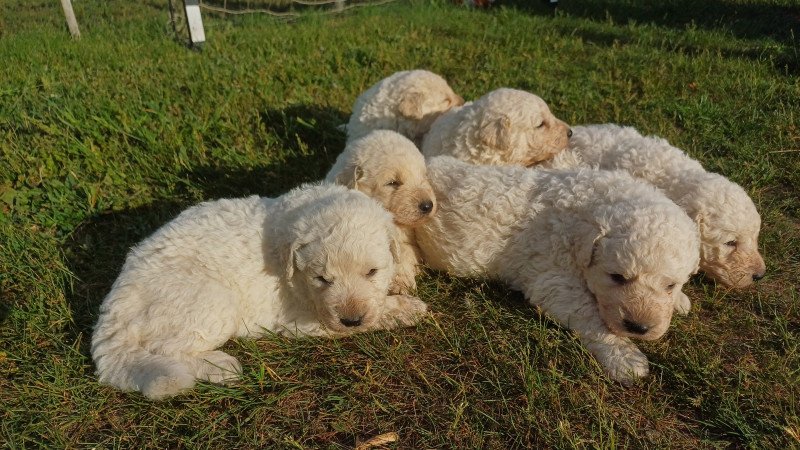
x,y
406,102
317,261
504,127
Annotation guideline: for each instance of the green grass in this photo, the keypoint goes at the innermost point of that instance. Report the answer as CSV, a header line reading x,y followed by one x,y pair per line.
x,y
104,139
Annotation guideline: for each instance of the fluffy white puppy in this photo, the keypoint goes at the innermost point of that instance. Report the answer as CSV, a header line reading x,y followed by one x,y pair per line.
x,y
316,261
726,216
389,168
604,254
504,127
407,102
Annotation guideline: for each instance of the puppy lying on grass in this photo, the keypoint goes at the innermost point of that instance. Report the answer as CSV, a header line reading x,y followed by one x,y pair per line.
x,y
388,167
316,261
726,216
406,102
504,127
604,254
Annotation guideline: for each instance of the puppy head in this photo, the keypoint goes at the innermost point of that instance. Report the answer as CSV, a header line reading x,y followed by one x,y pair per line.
x,y
638,262
342,259
389,168
421,97
729,227
517,128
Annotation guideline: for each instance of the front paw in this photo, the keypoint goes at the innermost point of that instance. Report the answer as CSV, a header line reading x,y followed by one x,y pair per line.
x,y
403,283
410,310
682,303
623,362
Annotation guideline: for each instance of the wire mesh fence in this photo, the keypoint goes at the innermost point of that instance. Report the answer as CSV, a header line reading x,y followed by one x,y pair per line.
x,y
185,14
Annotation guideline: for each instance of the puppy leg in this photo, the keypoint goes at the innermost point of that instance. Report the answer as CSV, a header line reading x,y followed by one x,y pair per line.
x,y
217,367
401,311
406,261
573,306
158,377
682,303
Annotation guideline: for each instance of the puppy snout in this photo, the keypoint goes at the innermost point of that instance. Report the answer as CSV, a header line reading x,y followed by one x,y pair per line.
x,y
569,132
459,100
351,322
634,327
426,207
758,276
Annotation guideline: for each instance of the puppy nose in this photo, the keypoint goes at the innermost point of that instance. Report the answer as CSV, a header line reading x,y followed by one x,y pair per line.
x,y
351,322
426,206
758,276
569,132
634,327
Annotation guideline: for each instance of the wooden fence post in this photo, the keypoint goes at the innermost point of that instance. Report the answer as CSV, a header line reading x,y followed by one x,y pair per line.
x,y
72,24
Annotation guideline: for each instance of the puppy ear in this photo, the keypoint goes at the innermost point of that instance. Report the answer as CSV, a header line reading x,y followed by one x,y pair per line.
x,y
289,255
496,133
585,237
395,242
350,176
411,105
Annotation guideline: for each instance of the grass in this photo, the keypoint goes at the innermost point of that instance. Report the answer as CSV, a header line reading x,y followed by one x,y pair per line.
x,y
102,140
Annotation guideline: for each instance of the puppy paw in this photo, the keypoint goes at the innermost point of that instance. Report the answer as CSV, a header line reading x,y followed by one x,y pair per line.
x,y
218,367
163,386
682,303
403,284
409,311
623,361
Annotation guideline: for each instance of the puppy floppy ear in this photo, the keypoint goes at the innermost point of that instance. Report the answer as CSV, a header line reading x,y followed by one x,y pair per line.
x,y
395,242
584,241
496,132
411,105
289,258
350,176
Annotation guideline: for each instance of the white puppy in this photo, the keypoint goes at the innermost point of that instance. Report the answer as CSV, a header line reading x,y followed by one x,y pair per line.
x,y
388,167
504,127
726,216
407,102
604,254
316,261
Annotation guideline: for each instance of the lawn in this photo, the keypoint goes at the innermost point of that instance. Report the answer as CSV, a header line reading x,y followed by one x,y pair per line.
x,y
102,140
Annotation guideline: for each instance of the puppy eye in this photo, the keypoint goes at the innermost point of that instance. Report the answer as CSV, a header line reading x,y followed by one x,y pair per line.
x,y
732,243
324,280
617,278
394,184
371,273
670,287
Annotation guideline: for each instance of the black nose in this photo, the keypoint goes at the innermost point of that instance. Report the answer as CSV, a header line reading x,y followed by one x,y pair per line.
x,y
426,206
351,322
634,327
757,276
569,133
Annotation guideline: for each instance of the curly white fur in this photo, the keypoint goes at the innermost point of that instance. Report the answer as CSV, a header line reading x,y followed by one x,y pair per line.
x,y
505,126
389,168
317,261
604,254
728,220
407,102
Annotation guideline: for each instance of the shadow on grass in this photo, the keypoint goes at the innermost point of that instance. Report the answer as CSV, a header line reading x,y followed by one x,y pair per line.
x,y
307,141
744,21
747,21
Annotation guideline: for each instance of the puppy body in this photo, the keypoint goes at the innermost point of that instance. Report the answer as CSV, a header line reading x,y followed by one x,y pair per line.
x,y
240,267
726,216
602,253
504,127
406,102
389,168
